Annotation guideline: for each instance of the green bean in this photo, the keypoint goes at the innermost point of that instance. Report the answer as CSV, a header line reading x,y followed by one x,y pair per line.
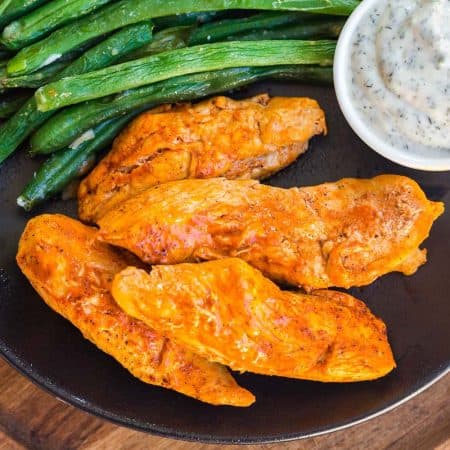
x,y
35,79
48,73
318,27
42,21
125,12
316,30
181,20
109,18
201,58
69,123
42,76
163,41
307,74
28,118
4,4
10,103
77,52
217,31
11,9
62,167
19,126
113,49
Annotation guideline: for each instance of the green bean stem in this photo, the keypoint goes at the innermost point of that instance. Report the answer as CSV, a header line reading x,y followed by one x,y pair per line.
x,y
35,79
42,21
54,71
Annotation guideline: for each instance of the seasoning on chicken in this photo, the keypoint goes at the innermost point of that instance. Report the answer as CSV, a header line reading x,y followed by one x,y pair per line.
x,y
219,137
230,313
343,234
73,271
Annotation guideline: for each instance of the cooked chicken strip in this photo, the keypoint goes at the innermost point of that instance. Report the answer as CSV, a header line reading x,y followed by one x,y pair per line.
x,y
218,137
230,313
73,271
341,234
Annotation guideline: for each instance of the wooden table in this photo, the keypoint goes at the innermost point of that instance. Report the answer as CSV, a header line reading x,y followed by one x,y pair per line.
x,y
31,418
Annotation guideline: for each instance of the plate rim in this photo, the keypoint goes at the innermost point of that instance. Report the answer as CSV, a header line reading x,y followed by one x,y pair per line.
x,y
77,402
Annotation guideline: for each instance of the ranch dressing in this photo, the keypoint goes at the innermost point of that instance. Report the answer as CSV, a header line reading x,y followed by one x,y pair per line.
x,y
400,72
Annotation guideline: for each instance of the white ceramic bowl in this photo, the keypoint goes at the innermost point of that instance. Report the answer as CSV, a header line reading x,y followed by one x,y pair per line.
x,y
432,159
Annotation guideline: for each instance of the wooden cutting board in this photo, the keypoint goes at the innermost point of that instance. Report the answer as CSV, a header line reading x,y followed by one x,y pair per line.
x,y
32,419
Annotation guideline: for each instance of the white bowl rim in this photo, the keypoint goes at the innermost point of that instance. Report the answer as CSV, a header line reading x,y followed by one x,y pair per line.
x,y
351,114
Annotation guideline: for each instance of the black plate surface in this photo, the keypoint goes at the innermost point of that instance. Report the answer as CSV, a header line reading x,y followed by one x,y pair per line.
x,y
51,352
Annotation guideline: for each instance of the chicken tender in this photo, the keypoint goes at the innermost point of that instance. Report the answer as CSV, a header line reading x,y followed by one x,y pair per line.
x,y
228,312
218,137
342,234
73,271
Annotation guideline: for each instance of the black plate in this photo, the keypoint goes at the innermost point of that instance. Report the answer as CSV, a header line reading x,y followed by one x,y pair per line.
x,y
51,352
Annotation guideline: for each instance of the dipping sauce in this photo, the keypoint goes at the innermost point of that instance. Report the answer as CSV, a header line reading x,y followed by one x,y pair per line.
x,y
400,72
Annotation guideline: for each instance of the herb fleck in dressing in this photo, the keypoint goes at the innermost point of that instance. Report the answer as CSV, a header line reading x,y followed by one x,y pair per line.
x,y
401,72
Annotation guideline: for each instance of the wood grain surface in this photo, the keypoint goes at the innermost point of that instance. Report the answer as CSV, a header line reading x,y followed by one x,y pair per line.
x,y
32,419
